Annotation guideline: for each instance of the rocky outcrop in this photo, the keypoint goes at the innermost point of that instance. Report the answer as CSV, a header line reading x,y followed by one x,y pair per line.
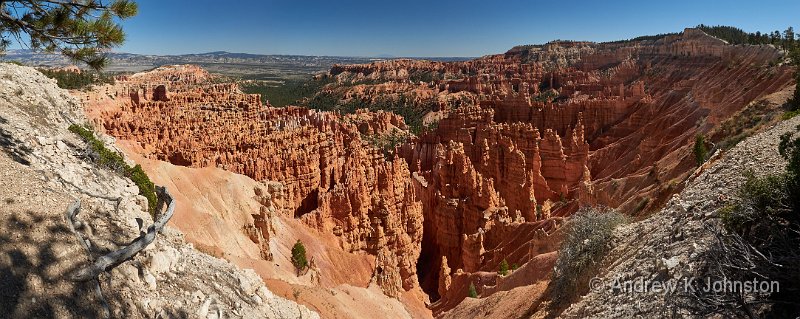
x,y
541,130
376,123
444,277
672,244
603,99
234,217
334,181
513,143
44,169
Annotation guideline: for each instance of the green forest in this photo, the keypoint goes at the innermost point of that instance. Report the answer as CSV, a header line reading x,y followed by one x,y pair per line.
x,y
290,92
733,35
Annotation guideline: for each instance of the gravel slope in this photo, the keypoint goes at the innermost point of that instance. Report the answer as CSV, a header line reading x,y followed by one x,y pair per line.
x,y
42,171
667,246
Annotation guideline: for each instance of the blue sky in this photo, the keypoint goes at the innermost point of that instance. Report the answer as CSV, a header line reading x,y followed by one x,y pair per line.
x,y
423,28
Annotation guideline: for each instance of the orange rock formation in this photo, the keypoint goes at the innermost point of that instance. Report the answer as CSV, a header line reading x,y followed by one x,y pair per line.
x,y
541,130
523,139
334,180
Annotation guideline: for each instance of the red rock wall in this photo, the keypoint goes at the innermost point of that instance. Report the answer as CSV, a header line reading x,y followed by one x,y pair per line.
x,y
333,179
523,138
618,130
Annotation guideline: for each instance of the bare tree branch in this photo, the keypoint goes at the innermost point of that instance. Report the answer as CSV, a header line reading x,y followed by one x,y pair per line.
x,y
72,212
112,259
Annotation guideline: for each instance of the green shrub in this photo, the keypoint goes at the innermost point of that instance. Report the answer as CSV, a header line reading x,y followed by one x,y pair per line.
x,y
503,268
386,142
99,153
763,229
432,126
74,80
112,160
770,195
727,216
790,150
472,292
700,149
546,96
756,197
586,239
789,114
146,187
299,256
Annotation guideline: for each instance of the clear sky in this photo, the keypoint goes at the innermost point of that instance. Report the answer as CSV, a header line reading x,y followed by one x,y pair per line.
x,y
424,28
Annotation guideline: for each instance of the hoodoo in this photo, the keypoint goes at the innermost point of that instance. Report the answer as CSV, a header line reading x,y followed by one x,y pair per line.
x,y
540,182
513,143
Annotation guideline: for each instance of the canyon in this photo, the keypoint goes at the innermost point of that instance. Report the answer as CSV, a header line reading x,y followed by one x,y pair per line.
x,y
403,216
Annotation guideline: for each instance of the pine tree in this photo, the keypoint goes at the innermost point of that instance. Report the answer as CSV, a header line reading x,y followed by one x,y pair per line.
x,y
83,30
503,268
788,38
473,293
700,150
299,256
756,39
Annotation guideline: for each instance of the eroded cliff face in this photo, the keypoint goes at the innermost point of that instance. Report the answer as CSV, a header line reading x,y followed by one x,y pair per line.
x,y
333,180
514,143
540,130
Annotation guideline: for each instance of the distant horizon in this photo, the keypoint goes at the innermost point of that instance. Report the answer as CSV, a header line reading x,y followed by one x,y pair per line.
x,y
262,54
304,55
417,28
389,56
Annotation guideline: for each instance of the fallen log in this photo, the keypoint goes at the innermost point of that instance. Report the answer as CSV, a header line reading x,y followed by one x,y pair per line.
x,y
114,258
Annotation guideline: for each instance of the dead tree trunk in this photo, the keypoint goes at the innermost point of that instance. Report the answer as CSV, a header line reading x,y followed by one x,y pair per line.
x,y
114,258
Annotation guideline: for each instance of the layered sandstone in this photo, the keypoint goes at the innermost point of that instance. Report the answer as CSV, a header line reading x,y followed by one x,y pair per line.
x,y
333,180
520,141
541,130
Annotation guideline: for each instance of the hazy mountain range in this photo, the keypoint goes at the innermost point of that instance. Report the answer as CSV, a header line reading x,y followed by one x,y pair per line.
x,y
246,64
